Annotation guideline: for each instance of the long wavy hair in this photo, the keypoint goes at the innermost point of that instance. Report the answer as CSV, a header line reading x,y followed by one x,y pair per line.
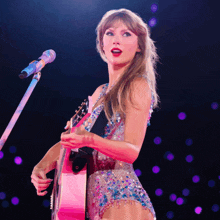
x,y
142,65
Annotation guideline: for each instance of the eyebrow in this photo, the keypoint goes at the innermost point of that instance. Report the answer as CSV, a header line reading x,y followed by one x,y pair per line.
x,y
121,30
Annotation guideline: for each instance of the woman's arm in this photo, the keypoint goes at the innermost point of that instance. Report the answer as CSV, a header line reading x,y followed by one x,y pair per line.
x,y
48,162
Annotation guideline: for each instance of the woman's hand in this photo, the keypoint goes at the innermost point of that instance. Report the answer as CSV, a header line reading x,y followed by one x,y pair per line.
x,y
79,138
40,181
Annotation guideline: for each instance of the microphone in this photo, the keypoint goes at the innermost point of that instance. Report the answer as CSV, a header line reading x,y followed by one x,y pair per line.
x,y
35,66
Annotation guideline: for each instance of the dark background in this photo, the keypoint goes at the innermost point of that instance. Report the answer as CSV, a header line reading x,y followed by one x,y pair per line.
x,y
187,41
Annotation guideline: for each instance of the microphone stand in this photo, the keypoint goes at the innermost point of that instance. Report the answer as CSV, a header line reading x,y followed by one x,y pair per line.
x,y
19,109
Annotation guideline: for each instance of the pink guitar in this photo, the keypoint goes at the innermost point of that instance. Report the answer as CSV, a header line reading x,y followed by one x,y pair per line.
x,y
69,192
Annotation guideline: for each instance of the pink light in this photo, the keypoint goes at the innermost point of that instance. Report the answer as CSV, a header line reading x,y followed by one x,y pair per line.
x,y
198,210
196,179
1,154
182,115
18,160
159,192
173,197
179,201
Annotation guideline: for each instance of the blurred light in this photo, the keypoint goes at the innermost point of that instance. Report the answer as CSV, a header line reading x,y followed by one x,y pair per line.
x,y
219,177
5,204
179,201
1,154
182,116
154,7
196,179
15,200
138,172
214,105
12,149
18,160
2,195
159,192
157,140
168,155
189,158
198,210
173,197
215,208
189,142
170,215
152,22
46,203
211,183
156,169
185,192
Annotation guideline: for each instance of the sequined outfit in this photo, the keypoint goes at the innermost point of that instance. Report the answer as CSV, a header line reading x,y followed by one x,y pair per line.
x,y
113,179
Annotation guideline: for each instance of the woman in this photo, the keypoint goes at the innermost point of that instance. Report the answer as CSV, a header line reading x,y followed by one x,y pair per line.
x,y
113,189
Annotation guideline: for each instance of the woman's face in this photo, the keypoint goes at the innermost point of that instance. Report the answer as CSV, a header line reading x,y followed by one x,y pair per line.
x,y
119,36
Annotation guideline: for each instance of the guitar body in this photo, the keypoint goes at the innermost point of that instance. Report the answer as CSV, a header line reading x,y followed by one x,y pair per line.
x,y
69,192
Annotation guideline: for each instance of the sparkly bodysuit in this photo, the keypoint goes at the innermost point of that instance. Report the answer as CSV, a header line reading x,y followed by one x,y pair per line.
x,y
113,179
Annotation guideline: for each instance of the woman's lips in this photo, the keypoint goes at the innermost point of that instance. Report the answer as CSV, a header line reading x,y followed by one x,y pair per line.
x,y
116,54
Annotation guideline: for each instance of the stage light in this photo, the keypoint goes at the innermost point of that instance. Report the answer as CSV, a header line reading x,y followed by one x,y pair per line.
x,y
46,203
214,105
173,197
196,179
15,200
152,22
18,160
138,172
159,192
189,142
2,195
154,7
182,115
189,158
198,210
12,149
157,140
170,215
1,155
215,208
5,204
185,192
156,169
179,201
211,183
170,156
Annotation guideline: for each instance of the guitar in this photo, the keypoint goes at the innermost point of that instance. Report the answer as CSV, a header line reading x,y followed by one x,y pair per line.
x,y
68,197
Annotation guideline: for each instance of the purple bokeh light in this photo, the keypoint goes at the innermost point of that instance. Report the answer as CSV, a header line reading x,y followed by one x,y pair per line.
x,y
196,179
198,210
170,215
189,158
154,7
138,172
2,195
185,192
214,105
156,169
152,22
157,140
15,200
211,183
18,160
173,197
182,115
1,154
170,156
189,142
215,208
159,192
179,201
12,149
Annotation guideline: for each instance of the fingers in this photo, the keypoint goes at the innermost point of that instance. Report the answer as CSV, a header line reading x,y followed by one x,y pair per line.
x,y
67,125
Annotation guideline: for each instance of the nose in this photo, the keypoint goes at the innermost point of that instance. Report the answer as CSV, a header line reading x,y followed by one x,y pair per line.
x,y
116,40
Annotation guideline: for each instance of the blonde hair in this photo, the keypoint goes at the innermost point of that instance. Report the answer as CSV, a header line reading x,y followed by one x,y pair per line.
x,y
143,64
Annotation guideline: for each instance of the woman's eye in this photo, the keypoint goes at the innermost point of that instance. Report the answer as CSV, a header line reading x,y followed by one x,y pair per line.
x,y
109,32
127,33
